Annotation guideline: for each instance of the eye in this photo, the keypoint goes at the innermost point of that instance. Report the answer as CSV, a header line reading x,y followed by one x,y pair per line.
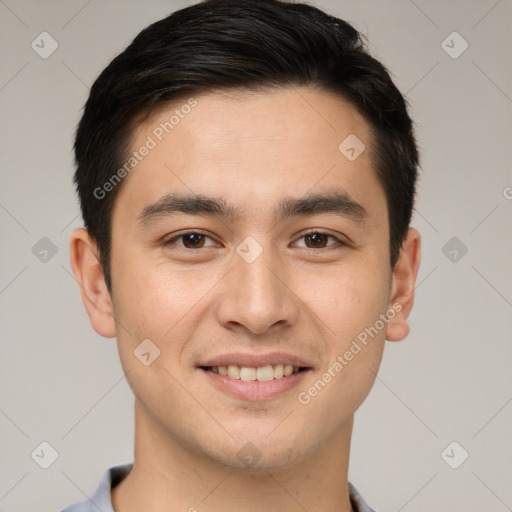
x,y
318,240
196,240
191,240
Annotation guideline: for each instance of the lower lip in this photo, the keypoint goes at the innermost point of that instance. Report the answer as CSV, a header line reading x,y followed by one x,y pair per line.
x,y
254,389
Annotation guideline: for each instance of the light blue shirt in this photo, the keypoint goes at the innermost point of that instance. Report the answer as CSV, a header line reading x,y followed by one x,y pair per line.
x,y
99,501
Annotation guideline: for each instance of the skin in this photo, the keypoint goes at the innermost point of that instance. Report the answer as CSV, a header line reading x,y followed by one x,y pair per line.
x,y
251,149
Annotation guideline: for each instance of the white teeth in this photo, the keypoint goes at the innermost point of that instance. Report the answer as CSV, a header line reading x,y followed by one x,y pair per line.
x,y
261,374
288,370
233,371
264,373
247,374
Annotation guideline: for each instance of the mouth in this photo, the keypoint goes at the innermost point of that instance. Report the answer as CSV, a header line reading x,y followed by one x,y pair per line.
x,y
254,377
250,373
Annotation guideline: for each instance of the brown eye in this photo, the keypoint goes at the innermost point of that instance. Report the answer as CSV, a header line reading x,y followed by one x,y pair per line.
x,y
319,240
191,240
316,240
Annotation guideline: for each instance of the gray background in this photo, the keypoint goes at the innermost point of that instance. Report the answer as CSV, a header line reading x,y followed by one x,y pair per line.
x,y
449,381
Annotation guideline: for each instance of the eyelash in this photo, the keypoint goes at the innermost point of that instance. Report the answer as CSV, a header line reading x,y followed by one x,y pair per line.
x,y
172,241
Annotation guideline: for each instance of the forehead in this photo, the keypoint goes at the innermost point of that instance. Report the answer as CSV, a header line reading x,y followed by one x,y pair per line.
x,y
245,144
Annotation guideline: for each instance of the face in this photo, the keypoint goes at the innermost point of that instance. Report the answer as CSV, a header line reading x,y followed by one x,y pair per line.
x,y
248,242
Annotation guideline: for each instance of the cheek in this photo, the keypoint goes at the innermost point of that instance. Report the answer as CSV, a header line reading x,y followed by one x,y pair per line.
x,y
152,301
155,305
357,300
349,299
332,398
350,303
151,297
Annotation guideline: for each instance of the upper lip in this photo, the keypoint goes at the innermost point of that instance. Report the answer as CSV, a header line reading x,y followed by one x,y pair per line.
x,y
255,361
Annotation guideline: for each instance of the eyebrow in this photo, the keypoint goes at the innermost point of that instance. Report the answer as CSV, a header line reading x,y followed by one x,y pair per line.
x,y
335,203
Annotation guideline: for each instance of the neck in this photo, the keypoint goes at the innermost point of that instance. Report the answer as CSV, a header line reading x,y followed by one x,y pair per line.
x,y
168,475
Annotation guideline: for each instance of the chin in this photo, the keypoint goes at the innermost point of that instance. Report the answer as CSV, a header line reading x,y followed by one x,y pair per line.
x,y
259,457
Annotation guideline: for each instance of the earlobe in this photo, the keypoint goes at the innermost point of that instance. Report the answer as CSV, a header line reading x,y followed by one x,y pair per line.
x,y
89,275
405,273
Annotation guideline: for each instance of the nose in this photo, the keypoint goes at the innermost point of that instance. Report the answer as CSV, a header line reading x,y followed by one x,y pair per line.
x,y
256,296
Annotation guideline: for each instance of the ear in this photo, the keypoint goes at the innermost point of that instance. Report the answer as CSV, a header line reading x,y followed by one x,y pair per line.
x,y
89,275
403,284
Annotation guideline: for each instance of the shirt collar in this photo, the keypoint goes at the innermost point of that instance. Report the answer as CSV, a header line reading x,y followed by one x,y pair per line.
x,y
100,499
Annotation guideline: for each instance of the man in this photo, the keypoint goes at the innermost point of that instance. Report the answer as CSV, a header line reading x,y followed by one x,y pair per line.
x,y
246,173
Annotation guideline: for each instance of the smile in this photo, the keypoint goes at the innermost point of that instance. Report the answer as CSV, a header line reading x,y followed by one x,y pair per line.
x,y
260,373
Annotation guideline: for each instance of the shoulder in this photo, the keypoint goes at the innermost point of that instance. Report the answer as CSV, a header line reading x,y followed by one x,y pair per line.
x,y
100,498
358,504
